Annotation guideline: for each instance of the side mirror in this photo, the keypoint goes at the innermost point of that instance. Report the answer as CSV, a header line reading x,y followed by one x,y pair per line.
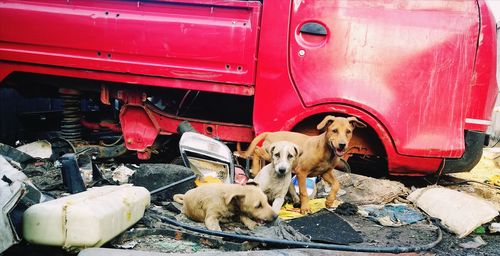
x,y
207,156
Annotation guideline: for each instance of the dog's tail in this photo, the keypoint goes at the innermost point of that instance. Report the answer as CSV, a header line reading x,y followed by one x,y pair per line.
x,y
251,147
179,198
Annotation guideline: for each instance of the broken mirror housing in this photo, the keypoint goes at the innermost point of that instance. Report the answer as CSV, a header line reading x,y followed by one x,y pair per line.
x,y
207,156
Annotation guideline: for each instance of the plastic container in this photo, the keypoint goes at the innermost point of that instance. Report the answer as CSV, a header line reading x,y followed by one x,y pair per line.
x,y
86,219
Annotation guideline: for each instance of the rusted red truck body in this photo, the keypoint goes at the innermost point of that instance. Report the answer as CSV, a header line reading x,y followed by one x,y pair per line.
x,y
421,74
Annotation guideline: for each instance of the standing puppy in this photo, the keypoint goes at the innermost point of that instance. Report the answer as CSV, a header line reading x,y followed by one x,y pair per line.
x,y
321,153
216,202
274,179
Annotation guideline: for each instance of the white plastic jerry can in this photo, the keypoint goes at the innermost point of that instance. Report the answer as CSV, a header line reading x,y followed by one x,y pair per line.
x,y
86,219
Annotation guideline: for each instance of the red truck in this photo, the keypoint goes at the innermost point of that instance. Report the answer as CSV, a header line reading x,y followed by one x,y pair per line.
x,y
420,74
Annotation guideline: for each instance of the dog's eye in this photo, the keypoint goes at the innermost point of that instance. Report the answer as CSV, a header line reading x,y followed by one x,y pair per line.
x,y
259,206
335,131
348,132
289,156
277,155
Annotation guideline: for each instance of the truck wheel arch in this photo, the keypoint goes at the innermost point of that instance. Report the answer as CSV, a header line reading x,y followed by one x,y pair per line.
x,y
306,121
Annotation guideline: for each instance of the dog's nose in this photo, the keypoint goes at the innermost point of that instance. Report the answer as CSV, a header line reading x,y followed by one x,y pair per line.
x,y
341,146
282,170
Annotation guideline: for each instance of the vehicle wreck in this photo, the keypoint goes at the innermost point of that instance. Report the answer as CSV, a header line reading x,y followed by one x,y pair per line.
x,y
110,108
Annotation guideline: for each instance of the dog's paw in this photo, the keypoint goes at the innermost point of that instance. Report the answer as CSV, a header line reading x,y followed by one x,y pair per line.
x,y
305,210
330,203
252,226
214,227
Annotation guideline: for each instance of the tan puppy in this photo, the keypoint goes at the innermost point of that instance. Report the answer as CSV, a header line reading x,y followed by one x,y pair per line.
x,y
214,203
320,153
274,179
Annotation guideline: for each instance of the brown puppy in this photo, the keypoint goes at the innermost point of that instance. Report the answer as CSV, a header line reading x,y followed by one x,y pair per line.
x,y
212,203
320,155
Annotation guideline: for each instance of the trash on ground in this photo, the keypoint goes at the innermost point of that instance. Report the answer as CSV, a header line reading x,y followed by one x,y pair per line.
x,y
310,186
155,176
122,174
483,178
475,243
157,240
391,215
11,192
63,221
13,154
494,227
127,245
86,169
288,212
216,160
326,227
277,230
16,194
361,190
346,209
72,178
86,219
10,174
239,176
494,180
458,211
38,149
480,230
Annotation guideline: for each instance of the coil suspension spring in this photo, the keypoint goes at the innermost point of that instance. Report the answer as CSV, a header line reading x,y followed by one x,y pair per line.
x,y
71,128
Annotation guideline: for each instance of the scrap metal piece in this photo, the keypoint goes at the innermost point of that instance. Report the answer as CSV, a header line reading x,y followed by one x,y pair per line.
x,y
72,178
14,154
16,191
10,194
38,149
102,151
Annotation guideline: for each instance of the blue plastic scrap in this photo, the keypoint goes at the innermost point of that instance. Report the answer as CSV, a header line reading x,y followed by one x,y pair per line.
x,y
392,214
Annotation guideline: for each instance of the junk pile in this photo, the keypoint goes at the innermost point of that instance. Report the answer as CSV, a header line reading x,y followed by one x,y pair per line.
x,y
62,202
73,201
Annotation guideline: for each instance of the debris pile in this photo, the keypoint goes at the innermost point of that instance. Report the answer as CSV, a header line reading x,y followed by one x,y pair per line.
x,y
75,193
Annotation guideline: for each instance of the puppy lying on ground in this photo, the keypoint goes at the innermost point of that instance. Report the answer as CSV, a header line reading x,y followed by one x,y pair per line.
x,y
321,153
274,179
214,203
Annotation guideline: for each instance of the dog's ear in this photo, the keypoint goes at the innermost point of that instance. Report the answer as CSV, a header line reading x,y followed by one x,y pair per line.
x,y
269,150
298,151
355,122
230,195
326,121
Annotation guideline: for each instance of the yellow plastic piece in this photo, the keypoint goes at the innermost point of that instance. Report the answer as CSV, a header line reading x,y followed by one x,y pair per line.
x,y
206,180
287,212
494,180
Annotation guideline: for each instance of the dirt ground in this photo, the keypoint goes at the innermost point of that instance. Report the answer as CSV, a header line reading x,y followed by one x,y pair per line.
x,y
151,234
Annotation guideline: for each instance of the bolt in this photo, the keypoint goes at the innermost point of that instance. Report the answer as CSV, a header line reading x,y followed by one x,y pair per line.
x,y
302,53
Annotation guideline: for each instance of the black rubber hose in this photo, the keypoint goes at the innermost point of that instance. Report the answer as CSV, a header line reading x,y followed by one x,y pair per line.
x,y
297,244
173,184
